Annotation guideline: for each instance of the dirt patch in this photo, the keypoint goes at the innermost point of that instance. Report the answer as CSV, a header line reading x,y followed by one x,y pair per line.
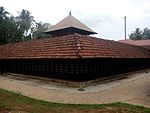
x,y
10,111
3,97
69,110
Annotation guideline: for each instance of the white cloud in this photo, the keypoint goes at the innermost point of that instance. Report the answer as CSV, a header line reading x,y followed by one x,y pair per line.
x,y
103,16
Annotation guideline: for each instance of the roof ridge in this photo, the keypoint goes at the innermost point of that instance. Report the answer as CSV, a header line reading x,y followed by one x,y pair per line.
x,y
70,20
78,46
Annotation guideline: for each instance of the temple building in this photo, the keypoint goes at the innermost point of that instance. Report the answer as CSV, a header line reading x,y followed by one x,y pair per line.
x,y
71,54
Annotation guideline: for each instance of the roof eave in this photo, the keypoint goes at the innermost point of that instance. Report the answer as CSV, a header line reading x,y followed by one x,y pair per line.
x,y
71,28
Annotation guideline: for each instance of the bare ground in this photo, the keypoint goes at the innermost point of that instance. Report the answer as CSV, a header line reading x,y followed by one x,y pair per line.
x,y
134,90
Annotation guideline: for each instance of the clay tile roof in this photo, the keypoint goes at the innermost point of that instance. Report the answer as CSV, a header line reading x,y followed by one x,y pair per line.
x,y
144,43
68,22
72,46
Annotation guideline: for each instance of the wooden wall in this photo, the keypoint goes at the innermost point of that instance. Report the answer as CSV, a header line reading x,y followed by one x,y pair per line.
x,y
73,69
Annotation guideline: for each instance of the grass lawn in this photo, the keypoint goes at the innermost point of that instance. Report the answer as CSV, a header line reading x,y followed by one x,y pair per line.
x,y
16,103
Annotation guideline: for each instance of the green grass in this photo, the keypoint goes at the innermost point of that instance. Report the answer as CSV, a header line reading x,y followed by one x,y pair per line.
x,y
10,101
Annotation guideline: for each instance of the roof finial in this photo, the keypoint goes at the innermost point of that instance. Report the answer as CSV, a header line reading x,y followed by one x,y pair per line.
x,y
70,12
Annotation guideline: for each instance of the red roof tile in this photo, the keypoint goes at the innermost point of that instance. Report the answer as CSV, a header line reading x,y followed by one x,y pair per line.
x,y
72,46
143,43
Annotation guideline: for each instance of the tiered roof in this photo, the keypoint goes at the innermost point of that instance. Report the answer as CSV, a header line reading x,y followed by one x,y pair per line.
x,y
69,25
72,46
71,41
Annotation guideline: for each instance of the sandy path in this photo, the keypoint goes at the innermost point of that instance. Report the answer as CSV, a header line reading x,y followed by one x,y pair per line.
x,y
135,90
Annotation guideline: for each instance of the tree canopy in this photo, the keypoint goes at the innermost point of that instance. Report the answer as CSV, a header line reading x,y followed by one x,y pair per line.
x,y
139,34
20,28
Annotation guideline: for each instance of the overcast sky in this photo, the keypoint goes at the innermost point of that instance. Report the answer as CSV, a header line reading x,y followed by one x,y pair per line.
x,y
103,16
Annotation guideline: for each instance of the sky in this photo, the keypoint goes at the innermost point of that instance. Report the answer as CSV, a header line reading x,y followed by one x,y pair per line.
x,y
103,16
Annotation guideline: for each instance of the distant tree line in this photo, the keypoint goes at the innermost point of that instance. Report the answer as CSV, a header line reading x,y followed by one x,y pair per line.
x,y
140,34
20,28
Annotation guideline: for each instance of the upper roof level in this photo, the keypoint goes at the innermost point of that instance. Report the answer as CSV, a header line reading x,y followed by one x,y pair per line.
x,y
69,25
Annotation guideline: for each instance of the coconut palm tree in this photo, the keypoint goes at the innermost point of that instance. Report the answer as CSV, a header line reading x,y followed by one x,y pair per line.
x,y
136,35
3,27
26,21
3,13
146,33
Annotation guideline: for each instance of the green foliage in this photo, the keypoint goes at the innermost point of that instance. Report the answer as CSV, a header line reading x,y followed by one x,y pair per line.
x,y
146,33
3,25
26,22
140,34
20,28
39,29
